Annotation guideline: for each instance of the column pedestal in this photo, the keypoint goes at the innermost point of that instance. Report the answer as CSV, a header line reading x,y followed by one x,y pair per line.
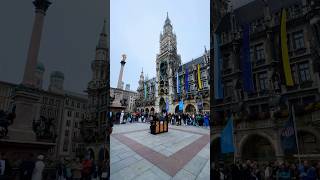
x,y
27,103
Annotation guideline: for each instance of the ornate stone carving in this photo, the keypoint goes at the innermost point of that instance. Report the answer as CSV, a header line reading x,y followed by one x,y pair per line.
x,y
45,128
6,119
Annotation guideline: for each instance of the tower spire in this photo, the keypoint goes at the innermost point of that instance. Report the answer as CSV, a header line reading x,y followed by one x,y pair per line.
x,y
102,43
167,22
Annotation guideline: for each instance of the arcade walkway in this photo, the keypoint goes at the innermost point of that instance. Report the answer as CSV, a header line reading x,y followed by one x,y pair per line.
x,y
182,153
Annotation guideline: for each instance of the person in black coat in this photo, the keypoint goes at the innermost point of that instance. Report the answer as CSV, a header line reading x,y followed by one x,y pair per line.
x,y
26,168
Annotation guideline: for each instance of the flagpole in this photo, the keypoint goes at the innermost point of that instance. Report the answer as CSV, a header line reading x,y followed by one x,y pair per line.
x,y
295,132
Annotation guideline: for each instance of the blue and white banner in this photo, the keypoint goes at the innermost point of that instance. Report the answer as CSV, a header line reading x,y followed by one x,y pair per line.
x,y
178,84
145,90
167,105
218,89
288,136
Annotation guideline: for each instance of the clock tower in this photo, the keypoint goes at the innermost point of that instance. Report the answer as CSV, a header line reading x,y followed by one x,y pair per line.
x,y
167,64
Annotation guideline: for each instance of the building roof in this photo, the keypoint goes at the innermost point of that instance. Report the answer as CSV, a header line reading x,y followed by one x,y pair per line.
x,y
75,94
8,83
117,89
253,11
193,62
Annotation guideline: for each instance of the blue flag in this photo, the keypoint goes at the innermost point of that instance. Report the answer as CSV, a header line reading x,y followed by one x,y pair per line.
x,y
167,105
181,105
227,145
245,60
178,84
288,136
218,89
145,90
187,81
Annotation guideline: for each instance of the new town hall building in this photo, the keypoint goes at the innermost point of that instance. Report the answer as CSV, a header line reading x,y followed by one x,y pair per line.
x,y
164,91
259,116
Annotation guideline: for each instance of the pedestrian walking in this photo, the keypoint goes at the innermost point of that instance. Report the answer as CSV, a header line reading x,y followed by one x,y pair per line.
x,y
76,168
38,168
26,168
5,167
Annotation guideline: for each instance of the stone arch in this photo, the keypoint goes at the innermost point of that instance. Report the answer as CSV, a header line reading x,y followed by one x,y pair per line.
x,y
258,141
190,108
309,141
206,106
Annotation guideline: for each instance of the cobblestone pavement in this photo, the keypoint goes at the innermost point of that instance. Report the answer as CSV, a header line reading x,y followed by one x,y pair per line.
x,y
182,153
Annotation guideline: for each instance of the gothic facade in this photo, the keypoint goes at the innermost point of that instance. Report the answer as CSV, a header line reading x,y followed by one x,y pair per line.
x,y
161,92
260,115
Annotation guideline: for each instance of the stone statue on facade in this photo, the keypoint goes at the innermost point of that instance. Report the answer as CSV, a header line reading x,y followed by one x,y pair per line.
x,y
44,128
6,119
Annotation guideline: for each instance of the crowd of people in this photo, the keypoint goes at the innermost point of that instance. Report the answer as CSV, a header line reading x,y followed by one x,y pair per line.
x,y
65,169
186,119
252,170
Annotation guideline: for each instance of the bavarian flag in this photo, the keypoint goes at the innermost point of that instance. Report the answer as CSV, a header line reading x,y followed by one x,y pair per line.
x,y
199,78
288,136
284,49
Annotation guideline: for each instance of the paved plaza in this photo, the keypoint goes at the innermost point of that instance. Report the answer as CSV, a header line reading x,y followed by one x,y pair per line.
x,y
182,153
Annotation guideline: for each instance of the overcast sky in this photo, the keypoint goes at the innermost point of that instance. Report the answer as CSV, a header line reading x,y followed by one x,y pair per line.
x,y
69,38
135,29
72,28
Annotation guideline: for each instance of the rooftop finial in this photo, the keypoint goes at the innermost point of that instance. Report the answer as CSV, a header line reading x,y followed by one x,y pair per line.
x,y
104,27
167,19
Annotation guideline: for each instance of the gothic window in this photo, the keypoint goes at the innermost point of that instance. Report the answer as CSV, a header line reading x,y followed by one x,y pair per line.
x,y
265,107
72,103
68,123
78,105
254,109
66,133
260,56
67,101
298,40
263,81
294,74
205,84
252,58
73,147
304,72
226,61
77,114
51,102
308,99
69,113
228,89
65,145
